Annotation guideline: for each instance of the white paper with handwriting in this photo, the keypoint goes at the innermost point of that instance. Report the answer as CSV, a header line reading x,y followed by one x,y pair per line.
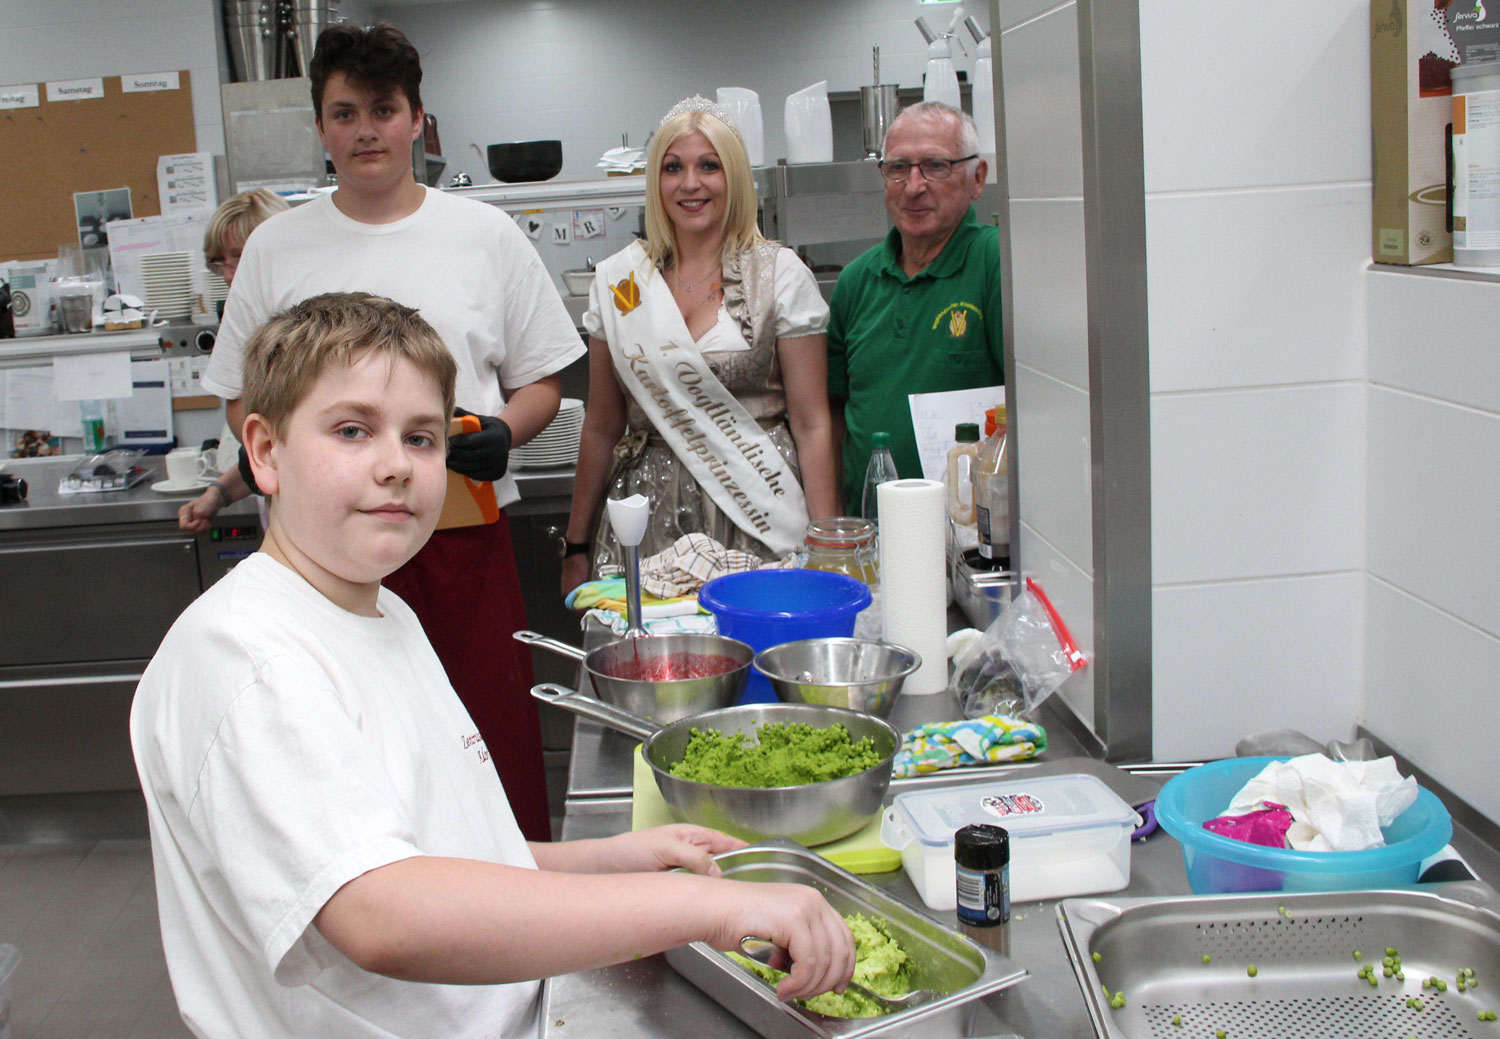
x,y
933,416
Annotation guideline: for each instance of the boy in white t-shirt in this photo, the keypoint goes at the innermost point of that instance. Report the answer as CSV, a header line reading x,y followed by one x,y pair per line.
x,y
334,855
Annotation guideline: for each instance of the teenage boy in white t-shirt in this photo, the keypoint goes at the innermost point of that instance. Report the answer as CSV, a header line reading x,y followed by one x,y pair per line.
x,y
334,856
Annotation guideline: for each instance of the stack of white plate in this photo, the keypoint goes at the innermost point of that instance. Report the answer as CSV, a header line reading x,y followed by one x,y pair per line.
x,y
557,445
168,281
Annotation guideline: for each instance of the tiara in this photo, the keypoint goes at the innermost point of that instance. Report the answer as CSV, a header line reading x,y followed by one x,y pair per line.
x,y
699,103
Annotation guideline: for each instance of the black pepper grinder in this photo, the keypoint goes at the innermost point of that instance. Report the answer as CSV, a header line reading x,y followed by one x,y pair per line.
x,y
981,866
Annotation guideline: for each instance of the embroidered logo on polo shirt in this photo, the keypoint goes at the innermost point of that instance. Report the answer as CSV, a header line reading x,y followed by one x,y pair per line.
x,y
958,318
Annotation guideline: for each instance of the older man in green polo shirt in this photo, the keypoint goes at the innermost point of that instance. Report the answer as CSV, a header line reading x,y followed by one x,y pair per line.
x,y
919,312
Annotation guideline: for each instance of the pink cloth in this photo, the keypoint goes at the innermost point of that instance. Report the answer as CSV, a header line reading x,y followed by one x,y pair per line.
x,y
1265,826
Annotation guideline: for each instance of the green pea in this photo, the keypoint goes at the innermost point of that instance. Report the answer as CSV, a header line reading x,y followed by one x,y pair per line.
x,y
1252,970
1358,955
1387,971
1442,986
1220,1034
1390,950
1206,957
1177,1020
1097,957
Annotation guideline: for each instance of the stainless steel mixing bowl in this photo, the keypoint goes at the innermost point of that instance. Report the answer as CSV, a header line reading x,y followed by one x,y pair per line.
x,y
858,674
811,814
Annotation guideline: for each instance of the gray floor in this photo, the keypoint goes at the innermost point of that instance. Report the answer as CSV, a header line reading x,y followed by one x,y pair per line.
x,y
77,899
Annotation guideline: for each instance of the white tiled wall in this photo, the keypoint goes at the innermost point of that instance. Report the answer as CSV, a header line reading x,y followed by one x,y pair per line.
x,y
1257,178
1039,58
588,71
43,40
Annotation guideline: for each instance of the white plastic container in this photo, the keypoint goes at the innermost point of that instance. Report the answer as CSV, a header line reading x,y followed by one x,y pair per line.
x,y
1476,164
1069,835
10,959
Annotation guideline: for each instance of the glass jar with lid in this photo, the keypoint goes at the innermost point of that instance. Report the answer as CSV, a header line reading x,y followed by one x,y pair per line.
x,y
844,545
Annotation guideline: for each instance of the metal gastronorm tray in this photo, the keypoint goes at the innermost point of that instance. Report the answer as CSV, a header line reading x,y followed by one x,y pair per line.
x,y
946,960
1307,984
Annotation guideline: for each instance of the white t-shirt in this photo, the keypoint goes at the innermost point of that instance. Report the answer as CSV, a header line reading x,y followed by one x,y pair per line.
x,y
286,746
465,266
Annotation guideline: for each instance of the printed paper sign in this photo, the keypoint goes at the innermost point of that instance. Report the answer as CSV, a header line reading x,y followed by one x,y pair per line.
x,y
22,95
145,82
533,226
75,89
933,416
588,223
562,233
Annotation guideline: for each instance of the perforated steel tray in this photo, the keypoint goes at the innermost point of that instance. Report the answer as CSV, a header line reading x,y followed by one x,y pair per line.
x,y
960,969
1302,945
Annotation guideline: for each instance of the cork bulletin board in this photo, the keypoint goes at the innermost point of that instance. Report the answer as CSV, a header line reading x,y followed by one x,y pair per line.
x,y
91,144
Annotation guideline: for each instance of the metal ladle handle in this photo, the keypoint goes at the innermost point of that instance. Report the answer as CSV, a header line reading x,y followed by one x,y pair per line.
x,y
596,710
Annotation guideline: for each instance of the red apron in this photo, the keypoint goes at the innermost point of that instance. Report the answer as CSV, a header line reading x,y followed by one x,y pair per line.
x,y
464,588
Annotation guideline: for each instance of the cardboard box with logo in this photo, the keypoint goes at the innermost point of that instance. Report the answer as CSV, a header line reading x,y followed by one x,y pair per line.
x,y
1414,45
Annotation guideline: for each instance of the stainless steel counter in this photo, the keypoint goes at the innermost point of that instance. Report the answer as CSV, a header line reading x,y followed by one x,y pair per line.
x,y
44,507
648,998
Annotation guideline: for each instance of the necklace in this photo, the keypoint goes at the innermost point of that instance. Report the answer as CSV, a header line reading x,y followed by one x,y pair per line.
x,y
689,286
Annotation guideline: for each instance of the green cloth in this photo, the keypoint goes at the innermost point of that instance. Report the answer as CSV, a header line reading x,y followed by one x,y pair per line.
x,y
890,335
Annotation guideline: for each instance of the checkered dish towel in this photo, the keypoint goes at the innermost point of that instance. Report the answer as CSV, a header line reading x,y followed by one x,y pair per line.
x,y
693,561
972,741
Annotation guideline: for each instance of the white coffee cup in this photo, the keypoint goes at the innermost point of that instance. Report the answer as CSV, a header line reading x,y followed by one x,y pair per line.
x,y
185,465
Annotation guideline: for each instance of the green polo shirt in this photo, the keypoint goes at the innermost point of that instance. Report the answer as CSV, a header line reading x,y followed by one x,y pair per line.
x,y
890,335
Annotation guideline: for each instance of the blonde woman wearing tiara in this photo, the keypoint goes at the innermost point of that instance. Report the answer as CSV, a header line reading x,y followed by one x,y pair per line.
x,y
707,366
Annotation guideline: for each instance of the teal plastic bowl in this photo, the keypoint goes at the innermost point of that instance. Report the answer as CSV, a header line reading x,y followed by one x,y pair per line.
x,y
1216,863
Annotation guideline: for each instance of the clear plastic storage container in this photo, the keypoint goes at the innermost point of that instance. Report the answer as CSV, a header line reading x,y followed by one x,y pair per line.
x,y
1069,835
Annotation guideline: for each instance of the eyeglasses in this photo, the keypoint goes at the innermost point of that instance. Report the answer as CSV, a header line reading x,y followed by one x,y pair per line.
x,y
897,170
219,266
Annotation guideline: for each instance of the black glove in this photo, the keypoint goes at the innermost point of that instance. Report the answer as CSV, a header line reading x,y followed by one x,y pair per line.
x,y
244,468
483,455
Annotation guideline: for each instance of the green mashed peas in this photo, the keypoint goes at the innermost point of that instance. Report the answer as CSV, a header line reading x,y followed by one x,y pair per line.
x,y
783,754
880,965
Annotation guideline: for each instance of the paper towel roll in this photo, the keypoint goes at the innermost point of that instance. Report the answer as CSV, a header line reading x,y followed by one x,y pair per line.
x,y
913,576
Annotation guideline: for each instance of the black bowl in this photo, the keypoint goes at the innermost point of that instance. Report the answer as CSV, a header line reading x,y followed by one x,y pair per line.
x,y
521,161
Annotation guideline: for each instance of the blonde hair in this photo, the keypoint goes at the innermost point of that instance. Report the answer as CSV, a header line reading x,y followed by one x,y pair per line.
x,y
740,229
237,217
285,356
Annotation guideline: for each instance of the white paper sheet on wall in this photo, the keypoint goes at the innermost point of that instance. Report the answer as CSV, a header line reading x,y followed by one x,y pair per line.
x,y
129,240
91,376
29,404
933,416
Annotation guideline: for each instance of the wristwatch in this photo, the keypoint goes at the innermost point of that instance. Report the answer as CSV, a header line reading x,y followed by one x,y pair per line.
x,y
566,548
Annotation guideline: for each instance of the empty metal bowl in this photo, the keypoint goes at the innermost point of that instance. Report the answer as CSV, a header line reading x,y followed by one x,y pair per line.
x,y
860,674
518,162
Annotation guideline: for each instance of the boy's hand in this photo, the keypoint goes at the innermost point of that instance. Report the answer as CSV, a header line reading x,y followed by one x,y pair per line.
x,y
799,920
484,455
669,847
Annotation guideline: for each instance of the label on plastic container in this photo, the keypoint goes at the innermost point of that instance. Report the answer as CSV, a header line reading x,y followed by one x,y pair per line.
x,y
1008,805
1476,170
983,896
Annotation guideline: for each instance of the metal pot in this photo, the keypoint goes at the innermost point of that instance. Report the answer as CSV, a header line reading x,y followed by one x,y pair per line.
x,y
658,702
811,814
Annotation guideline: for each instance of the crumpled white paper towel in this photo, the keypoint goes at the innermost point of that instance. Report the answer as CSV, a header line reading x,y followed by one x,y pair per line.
x,y
1335,805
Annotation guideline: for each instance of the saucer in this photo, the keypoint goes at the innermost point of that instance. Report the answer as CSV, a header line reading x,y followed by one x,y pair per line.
x,y
168,487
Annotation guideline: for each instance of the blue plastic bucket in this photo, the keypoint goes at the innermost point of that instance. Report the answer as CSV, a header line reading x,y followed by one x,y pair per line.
x,y
768,607
1216,863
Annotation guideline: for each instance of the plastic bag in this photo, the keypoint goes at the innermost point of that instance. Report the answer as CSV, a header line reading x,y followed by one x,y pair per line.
x,y
1022,657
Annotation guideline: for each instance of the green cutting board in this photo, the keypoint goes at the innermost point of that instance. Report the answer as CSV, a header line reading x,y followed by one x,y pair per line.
x,y
862,852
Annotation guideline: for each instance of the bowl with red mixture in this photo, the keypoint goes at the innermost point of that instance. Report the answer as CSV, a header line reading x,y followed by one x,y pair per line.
x,y
661,678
